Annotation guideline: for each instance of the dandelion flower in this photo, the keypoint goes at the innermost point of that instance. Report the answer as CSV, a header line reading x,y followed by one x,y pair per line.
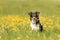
x,y
15,39
59,36
45,25
0,37
18,38
3,29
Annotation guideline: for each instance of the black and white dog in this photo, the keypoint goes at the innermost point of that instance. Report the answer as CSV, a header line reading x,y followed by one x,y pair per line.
x,y
34,21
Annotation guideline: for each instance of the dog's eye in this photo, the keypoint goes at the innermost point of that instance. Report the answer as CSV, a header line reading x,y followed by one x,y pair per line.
x,y
37,17
30,15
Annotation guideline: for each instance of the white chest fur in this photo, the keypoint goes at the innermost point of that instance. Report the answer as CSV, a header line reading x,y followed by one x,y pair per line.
x,y
34,26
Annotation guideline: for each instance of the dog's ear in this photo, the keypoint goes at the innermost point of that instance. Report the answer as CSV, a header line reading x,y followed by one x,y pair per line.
x,y
30,13
37,13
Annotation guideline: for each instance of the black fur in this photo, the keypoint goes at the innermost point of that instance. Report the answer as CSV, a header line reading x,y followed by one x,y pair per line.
x,y
41,27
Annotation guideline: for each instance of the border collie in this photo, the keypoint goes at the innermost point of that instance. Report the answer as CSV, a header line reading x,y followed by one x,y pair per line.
x,y
34,21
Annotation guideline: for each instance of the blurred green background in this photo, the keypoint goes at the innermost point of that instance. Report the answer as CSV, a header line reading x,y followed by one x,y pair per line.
x,y
23,7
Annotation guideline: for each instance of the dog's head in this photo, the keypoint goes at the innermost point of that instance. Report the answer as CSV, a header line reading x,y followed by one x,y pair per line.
x,y
34,15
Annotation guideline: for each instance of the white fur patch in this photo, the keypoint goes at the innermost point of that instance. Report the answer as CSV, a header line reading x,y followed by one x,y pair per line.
x,y
34,26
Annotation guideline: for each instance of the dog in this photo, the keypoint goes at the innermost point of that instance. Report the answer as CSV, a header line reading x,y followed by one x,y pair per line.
x,y
34,21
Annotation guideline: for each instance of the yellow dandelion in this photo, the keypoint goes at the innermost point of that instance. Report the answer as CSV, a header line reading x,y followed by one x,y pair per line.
x,y
24,21
15,29
45,25
28,19
49,19
0,37
18,38
49,22
21,19
25,18
2,19
3,29
14,39
1,23
59,36
59,39
13,24
57,26
50,27
13,20
18,20
43,18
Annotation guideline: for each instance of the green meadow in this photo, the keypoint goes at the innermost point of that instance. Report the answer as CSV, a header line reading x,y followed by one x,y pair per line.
x,y
15,23
23,7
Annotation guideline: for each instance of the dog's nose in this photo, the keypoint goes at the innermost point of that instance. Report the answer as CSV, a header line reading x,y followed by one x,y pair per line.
x,y
34,17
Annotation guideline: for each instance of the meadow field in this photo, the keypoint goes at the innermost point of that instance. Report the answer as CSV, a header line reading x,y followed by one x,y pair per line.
x,y
15,21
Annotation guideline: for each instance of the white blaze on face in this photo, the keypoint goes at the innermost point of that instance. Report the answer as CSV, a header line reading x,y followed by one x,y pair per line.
x,y
33,20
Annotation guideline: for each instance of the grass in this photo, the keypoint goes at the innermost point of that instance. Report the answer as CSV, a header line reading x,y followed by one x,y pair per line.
x,y
13,29
47,8
14,19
